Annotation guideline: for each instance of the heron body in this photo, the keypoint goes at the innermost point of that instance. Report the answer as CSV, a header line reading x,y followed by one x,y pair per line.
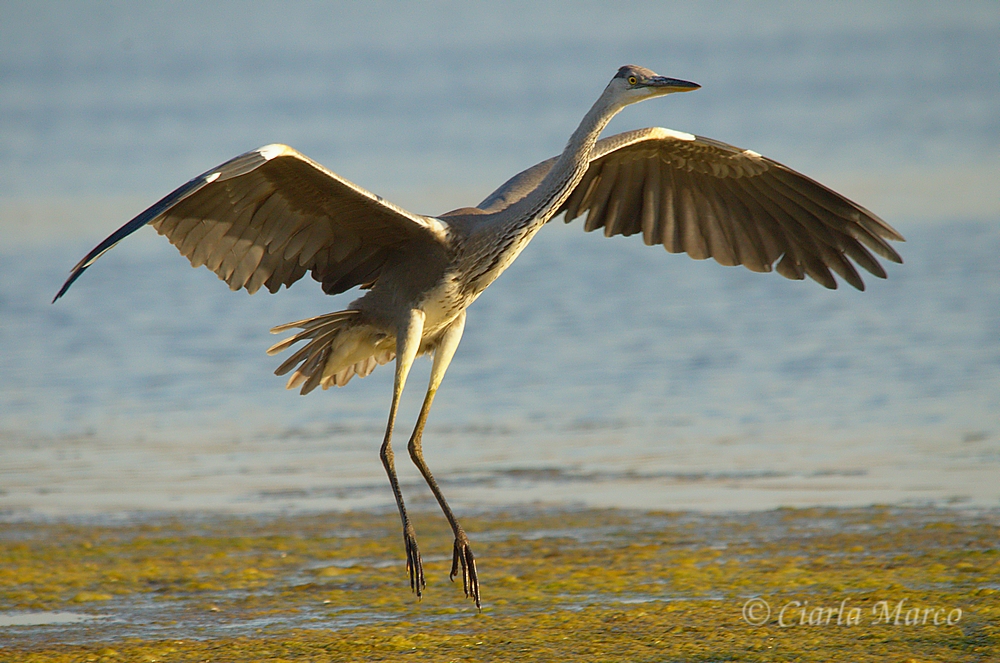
x,y
268,217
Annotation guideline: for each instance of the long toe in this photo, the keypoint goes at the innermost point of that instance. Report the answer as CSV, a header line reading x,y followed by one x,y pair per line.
x,y
414,565
464,558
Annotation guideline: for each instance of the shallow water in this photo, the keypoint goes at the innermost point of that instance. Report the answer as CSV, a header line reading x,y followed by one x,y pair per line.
x,y
43,618
595,371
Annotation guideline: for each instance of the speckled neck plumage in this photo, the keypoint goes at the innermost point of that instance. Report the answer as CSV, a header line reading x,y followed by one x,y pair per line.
x,y
509,232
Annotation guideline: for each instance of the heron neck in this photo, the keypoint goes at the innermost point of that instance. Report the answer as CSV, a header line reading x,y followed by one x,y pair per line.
x,y
541,204
499,238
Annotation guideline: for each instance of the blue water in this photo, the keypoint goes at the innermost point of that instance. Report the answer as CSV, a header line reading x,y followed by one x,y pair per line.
x,y
596,371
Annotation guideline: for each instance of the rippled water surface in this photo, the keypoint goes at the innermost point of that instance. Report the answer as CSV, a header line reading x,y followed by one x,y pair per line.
x,y
595,371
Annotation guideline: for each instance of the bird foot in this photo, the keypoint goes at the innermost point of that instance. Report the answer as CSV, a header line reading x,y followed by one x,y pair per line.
x,y
470,579
414,566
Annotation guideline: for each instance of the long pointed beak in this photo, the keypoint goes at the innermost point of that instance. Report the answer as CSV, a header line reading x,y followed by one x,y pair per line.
x,y
672,84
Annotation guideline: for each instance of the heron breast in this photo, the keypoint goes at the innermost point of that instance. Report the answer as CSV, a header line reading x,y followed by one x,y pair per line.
x,y
442,304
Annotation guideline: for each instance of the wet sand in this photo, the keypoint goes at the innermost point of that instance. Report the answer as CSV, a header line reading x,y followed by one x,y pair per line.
x,y
876,583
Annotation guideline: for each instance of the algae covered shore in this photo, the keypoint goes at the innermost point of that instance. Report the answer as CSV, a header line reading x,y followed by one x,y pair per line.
x,y
879,584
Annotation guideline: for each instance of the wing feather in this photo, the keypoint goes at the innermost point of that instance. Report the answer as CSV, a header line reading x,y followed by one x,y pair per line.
x,y
206,245
187,242
605,185
268,217
721,236
710,199
617,216
246,267
806,251
773,242
245,246
669,220
651,203
692,240
745,241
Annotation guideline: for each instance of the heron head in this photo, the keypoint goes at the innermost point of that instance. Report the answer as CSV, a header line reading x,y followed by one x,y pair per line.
x,y
634,83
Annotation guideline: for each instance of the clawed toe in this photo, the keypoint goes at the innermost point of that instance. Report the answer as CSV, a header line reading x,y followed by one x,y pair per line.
x,y
414,566
463,557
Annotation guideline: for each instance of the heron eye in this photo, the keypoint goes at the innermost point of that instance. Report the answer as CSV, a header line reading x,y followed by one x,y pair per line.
x,y
632,80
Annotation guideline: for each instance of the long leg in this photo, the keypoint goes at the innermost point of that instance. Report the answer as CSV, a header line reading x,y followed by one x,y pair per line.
x,y
447,344
407,343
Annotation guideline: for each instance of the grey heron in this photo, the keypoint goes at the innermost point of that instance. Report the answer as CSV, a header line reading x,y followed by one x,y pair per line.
x,y
267,217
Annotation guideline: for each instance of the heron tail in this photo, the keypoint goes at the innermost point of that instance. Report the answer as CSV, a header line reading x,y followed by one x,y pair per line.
x,y
339,347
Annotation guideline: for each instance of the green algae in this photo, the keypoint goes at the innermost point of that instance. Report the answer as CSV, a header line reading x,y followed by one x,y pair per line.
x,y
582,585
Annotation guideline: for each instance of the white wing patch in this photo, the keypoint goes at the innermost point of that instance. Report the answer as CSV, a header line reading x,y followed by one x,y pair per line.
x,y
438,227
274,150
670,133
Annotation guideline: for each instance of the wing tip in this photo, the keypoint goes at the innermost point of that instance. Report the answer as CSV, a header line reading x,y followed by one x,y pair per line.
x,y
74,275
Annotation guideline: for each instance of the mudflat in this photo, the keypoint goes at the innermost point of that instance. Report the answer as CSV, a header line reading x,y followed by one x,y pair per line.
x,y
876,583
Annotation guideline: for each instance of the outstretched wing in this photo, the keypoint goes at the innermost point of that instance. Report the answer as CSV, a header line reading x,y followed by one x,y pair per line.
x,y
709,199
267,217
